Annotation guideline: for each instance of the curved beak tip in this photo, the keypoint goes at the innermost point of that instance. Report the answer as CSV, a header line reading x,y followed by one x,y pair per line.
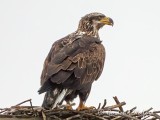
x,y
111,22
107,21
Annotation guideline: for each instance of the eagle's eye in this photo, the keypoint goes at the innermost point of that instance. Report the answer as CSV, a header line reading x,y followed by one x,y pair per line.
x,y
100,17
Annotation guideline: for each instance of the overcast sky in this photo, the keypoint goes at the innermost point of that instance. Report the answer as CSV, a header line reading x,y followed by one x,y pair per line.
x,y
132,67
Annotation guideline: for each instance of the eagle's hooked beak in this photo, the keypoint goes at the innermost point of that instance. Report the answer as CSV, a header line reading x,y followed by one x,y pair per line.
x,y
107,21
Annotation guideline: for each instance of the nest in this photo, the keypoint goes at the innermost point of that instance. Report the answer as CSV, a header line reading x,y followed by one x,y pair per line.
x,y
102,112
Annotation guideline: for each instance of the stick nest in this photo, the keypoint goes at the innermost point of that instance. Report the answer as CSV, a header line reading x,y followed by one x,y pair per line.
x,y
102,112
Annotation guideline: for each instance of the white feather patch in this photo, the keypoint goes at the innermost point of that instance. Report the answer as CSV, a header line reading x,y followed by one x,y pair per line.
x,y
59,98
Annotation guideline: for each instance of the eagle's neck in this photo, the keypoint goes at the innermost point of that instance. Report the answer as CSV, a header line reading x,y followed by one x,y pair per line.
x,y
87,29
88,33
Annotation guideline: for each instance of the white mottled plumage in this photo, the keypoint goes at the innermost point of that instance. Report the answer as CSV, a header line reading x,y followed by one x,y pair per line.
x,y
59,98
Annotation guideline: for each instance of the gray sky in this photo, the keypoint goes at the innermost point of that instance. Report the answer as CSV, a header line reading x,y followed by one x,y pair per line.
x,y
132,67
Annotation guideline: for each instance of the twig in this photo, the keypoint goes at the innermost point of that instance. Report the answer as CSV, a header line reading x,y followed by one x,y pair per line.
x,y
72,117
128,116
99,106
117,101
98,117
44,116
113,112
32,107
116,118
133,109
57,118
155,115
4,110
114,106
148,110
105,102
22,103
156,111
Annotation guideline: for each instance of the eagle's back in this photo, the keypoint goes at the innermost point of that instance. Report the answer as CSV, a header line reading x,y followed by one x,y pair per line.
x,y
73,62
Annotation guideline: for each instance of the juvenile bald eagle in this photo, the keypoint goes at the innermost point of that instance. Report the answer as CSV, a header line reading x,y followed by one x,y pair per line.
x,y
74,63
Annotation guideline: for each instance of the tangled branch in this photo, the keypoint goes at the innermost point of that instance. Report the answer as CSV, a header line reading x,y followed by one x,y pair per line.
x,y
102,112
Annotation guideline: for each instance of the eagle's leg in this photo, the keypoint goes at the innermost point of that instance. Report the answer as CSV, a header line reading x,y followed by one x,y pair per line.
x,y
83,99
83,107
68,106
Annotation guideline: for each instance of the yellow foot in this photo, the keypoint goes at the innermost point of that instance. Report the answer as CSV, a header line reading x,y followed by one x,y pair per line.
x,y
69,107
84,108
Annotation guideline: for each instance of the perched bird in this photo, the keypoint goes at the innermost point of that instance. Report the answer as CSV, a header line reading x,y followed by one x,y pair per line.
x,y
74,63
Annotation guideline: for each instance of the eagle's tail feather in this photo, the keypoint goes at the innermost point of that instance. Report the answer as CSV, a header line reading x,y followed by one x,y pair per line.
x,y
55,97
47,86
60,98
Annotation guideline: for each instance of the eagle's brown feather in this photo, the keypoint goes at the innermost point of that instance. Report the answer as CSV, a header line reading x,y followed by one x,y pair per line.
x,y
74,63
85,56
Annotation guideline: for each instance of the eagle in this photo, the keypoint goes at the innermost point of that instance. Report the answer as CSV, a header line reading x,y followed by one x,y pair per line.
x,y
74,63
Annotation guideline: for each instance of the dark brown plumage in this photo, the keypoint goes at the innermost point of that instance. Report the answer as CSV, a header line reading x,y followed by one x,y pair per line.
x,y
74,63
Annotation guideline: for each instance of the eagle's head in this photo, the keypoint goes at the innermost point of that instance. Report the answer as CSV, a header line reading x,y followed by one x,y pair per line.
x,y
91,23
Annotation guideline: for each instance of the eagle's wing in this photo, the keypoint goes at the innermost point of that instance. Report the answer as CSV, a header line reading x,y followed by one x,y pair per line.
x,y
83,57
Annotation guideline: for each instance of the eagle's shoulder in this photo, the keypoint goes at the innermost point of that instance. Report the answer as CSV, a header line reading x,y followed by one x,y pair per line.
x,y
70,46
67,52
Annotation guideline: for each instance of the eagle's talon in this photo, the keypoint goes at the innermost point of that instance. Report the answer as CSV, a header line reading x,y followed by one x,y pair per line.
x,y
69,107
85,108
